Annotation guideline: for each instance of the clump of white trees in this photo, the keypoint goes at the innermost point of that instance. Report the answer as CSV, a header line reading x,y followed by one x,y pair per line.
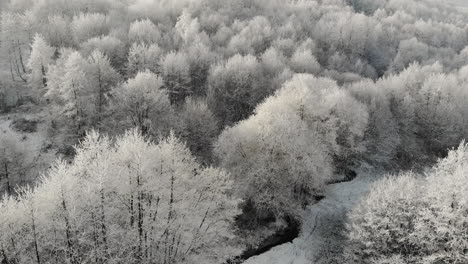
x,y
80,87
284,154
124,200
422,109
283,95
414,218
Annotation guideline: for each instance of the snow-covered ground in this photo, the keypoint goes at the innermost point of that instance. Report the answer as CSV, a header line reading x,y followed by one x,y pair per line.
x,y
322,233
33,143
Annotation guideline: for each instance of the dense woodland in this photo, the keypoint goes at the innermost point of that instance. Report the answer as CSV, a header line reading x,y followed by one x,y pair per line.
x,y
163,131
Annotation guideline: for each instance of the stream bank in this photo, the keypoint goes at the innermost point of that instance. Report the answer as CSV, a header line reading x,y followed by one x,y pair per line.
x,y
322,233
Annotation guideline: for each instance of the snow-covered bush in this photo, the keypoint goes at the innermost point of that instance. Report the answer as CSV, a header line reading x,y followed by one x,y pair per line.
x,y
421,219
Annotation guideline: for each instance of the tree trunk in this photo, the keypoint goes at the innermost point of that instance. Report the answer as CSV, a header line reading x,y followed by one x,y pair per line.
x,y
103,224
7,176
44,79
101,93
153,217
95,239
132,214
78,114
68,231
140,217
11,71
36,249
18,71
21,57
167,253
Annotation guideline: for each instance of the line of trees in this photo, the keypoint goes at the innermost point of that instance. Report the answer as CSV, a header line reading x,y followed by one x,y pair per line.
x,y
343,40
127,200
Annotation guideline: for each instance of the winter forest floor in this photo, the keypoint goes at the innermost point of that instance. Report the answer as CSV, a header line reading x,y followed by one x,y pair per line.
x,y
37,142
322,235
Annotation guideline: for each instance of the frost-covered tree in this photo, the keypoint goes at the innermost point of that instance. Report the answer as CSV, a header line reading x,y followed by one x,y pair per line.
x,y
175,71
198,127
57,31
76,92
274,68
443,218
283,154
41,56
303,61
15,39
103,78
428,107
80,87
112,47
132,200
187,27
254,37
382,137
55,74
235,87
346,31
143,103
88,25
200,58
440,114
389,216
417,219
409,51
144,31
273,61
142,57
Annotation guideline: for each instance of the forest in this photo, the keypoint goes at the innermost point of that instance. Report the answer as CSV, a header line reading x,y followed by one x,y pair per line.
x,y
196,131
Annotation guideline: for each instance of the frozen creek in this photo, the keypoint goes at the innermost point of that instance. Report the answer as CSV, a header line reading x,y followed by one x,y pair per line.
x,y
322,232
